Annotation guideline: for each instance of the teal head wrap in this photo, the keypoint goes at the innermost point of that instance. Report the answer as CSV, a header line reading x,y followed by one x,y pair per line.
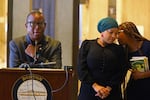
x,y
107,23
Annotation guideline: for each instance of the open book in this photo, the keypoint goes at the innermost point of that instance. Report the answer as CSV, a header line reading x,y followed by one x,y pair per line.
x,y
140,63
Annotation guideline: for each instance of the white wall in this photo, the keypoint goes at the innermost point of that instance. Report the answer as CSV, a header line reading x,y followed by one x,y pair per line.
x,y
20,11
64,28
92,12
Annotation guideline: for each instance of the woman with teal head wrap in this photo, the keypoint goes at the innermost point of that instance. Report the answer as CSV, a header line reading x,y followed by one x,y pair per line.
x,y
101,64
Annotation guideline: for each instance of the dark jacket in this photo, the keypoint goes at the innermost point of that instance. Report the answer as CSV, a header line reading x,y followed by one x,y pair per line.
x,y
103,65
49,51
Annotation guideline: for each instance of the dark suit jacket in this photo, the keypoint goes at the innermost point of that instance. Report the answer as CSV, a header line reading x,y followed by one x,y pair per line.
x,y
49,51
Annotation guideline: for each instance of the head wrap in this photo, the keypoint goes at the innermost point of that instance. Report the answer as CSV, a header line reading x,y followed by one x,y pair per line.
x,y
107,23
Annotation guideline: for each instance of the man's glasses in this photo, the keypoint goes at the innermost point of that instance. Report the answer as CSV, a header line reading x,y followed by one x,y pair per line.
x,y
34,24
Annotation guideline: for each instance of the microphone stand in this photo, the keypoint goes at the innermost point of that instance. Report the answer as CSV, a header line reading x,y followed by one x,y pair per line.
x,y
35,55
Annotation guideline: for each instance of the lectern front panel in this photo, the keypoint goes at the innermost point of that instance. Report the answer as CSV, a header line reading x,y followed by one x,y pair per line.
x,y
56,79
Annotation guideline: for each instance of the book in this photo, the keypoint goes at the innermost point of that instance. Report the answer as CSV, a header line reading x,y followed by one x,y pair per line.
x,y
140,63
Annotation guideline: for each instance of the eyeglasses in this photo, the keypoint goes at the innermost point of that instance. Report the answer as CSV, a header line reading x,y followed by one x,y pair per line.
x,y
120,31
34,24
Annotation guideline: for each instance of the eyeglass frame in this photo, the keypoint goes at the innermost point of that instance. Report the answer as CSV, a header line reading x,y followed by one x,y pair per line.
x,y
34,24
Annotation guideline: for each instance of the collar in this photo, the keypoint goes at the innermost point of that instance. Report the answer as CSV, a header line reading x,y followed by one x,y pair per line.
x,y
43,41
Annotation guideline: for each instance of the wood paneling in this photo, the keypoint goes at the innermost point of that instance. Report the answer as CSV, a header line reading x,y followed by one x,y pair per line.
x,y
3,19
137,11
55,78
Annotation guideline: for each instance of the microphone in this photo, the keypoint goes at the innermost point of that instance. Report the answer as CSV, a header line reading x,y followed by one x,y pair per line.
x,y
24,65
35,55
43,65
47,63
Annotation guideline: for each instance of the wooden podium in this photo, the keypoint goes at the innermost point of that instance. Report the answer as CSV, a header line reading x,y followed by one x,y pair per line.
x,y
56,78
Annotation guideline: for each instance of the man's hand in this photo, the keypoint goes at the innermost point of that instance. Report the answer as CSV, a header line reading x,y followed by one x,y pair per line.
x,y
31,50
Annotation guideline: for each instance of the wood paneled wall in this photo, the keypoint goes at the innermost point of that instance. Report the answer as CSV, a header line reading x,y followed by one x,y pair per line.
x,y
3,20
138,12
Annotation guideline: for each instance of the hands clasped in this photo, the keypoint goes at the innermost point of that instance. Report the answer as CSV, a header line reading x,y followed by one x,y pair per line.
x,y
102,91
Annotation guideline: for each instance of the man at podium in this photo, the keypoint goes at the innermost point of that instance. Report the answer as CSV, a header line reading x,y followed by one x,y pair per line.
x,y
35,48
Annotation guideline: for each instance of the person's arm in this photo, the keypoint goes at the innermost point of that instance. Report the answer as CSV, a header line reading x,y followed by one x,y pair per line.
x,y
140,75
82,67
46,55
52,53
55,57
123,66
14,60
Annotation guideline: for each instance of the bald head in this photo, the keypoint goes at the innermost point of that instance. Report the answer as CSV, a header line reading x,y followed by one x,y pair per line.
x,y
35,13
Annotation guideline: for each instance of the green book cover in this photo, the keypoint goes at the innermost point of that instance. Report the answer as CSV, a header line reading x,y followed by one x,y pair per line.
x,y
140,63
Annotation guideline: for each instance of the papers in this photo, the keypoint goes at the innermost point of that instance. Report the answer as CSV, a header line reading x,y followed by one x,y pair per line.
x,y
140,63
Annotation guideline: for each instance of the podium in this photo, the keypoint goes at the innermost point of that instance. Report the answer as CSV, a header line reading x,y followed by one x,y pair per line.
x,y
57,82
